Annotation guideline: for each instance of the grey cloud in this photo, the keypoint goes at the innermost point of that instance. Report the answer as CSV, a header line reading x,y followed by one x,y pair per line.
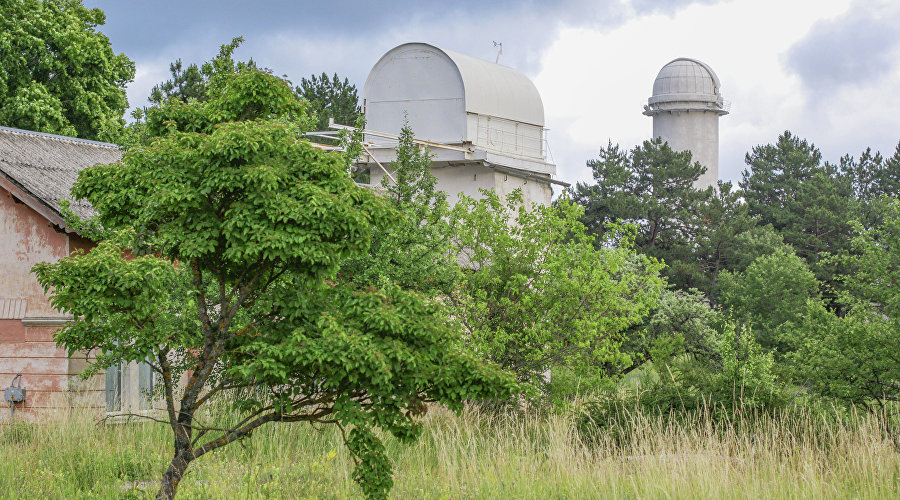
x,y
854,49
298,39
141,29
665,6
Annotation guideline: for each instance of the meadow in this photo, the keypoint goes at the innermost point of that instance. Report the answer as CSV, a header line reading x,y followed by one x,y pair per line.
x,y
475,454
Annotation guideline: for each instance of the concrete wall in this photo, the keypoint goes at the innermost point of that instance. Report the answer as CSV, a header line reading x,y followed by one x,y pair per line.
x,y
26,344
532,191
697,131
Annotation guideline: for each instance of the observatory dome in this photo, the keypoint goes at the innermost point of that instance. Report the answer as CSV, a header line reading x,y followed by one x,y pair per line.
x,y
441,92
483,123
686,80
686,105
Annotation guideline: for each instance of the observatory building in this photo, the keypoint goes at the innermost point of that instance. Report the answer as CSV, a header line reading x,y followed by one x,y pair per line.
x,y
686,106
482,122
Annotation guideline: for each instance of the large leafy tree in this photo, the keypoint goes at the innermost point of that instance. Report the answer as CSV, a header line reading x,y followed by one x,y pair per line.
x,y
769,296
539,294
58,74
223,237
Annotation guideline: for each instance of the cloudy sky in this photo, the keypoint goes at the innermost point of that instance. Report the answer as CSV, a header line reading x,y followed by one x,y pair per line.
x,y
828,70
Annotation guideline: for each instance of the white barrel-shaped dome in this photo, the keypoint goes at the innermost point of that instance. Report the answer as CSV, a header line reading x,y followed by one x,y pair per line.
x,y
453,98
686,80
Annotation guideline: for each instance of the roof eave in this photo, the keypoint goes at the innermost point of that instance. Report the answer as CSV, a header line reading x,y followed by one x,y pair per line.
x,y
34,203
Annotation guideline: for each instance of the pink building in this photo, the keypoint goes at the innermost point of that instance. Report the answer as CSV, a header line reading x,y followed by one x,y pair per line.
x,y
36,171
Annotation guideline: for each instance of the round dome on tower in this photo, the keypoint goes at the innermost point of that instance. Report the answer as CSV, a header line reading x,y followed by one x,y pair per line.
x,y
689,83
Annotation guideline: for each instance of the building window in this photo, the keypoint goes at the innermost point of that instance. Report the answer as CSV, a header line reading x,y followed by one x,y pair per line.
x,y
114,388
145,386
129,386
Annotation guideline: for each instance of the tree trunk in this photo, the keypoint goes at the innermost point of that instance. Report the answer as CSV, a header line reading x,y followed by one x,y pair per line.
x,y
173,475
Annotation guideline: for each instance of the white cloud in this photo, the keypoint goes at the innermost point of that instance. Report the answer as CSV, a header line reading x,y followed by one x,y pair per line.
x,y
594,64
146,75
594,83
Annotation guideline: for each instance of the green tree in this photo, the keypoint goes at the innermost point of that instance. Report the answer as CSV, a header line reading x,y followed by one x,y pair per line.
x,y
888,179
413,253
692,359
876,256
330,98
650,186
774,176
736,372
810,203
682,323
192,82
769,296
226,232
856,358
720,218
57,73
872,177
754,243
538,294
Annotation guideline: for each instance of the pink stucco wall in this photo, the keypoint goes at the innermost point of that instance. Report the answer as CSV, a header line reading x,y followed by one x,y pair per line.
x,y
26,345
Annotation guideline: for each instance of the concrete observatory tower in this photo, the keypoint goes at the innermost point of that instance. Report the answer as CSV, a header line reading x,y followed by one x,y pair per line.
x,y
686,106
482,122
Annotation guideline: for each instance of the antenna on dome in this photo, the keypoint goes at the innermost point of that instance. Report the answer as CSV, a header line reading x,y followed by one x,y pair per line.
x,y
499,51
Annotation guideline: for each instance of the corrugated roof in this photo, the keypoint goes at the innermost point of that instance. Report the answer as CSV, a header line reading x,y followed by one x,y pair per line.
x,y
47,165
12,308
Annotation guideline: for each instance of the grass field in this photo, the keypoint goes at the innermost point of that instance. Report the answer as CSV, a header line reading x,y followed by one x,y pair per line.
x,y
474,455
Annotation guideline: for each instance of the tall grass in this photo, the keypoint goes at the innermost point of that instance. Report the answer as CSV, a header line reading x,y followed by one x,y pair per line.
x,y
475,455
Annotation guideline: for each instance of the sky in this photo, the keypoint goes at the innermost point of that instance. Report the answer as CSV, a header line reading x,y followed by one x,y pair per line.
x,y
827,70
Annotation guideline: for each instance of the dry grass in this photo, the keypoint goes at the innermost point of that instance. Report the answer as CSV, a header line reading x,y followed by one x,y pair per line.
x,y
475,455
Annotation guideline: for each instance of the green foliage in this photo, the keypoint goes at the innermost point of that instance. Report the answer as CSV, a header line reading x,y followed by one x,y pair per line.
x,y
738,378
225,231
876,257
810,203
58,74
721,218
682,323
650,186
538,292
413,251
853,358
32,107
872,177
696,358
193,82
740,375
770,295
856,358
757,242
330,99
774,176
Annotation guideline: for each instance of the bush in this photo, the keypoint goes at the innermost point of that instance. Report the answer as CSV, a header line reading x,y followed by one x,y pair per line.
x,y
736,378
